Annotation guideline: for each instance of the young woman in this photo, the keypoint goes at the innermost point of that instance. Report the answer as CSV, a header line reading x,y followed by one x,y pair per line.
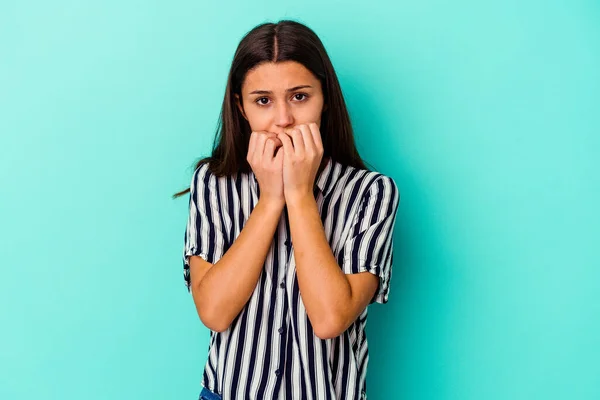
x,y
289,236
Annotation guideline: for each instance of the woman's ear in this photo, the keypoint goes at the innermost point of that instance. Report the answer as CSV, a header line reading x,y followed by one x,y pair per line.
x,y
240,106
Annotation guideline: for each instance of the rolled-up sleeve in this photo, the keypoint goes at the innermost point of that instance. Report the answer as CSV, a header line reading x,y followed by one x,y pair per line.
x,y
369,246
204,233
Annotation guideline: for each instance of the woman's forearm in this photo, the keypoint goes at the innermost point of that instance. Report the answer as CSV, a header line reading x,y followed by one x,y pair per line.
x,y
325,291
227,286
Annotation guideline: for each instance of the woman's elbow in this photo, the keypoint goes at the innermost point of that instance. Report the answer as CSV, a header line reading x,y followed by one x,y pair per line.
x,y
329,328
216,327
213,321
212,317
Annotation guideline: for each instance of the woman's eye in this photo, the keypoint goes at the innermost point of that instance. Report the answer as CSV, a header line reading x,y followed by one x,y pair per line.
x,y
263,101
302,95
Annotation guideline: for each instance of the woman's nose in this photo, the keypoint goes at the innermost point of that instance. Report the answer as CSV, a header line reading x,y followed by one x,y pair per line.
x,y
284,116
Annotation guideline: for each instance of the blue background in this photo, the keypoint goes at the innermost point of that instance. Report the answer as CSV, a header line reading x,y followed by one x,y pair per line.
x,y
486,114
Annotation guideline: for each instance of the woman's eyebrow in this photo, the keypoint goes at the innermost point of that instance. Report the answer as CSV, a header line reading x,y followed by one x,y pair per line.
x,y
287,90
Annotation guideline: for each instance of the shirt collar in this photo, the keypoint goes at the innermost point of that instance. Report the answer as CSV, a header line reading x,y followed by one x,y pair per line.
x,y
324,181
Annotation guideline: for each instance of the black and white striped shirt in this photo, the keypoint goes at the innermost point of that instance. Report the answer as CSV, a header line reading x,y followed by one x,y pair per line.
x,y
270,350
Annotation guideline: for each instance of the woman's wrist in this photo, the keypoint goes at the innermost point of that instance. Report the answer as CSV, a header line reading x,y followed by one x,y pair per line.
x,y
272,204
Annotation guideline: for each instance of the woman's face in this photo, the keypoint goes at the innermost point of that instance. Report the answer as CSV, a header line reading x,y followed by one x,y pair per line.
x,y
280,95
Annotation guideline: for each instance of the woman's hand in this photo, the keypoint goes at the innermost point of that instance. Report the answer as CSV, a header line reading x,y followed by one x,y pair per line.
x,y
303,151
267,164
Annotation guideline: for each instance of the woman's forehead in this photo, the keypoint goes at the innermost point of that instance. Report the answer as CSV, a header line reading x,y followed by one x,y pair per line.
x,y
278,77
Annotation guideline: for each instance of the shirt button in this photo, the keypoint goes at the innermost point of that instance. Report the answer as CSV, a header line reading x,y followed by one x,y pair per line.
x,y
288,243
282,285
281,330
278,372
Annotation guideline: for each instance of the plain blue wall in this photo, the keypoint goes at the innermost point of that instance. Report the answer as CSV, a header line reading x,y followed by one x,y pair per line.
x,y
487,115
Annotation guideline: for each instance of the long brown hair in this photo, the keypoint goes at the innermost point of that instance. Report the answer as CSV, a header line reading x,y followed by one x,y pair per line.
x,y
276,42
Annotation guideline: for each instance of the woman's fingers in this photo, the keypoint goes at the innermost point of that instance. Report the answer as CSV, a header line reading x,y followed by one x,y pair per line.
x,y
267,164
269,149
316,135
307,138
288,146
261,140
277,141
266,145
273,136
297,140
262,144
251,147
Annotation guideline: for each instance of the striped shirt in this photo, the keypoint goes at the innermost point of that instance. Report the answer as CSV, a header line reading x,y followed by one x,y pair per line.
x,y
270,350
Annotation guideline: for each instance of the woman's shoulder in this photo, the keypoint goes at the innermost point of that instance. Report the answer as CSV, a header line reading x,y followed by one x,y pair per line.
x,y
202,174
365,178
205,173
372,187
